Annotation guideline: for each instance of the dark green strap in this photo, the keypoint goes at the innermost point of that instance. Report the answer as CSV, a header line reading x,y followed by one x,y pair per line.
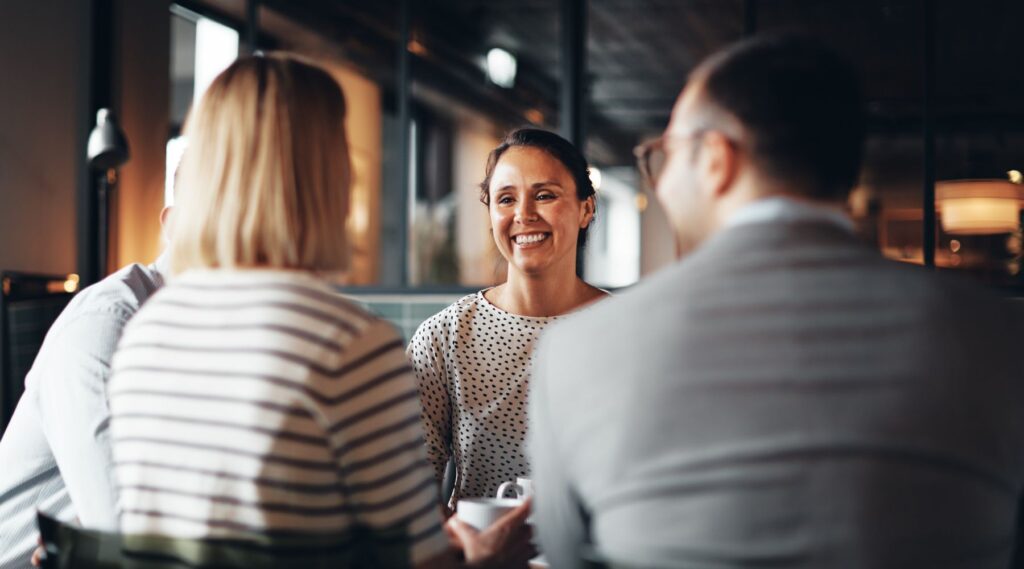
x,y
74,548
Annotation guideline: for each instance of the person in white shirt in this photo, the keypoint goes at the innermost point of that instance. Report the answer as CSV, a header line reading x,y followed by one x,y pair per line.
x,y
56,450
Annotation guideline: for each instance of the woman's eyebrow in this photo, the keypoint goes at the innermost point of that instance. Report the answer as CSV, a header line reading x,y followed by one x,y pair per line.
x,y
546,183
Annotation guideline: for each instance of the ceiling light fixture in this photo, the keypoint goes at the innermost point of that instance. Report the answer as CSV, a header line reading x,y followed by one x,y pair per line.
x,y
501,67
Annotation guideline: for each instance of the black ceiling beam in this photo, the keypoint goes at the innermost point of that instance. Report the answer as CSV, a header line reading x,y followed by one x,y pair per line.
x,y
928,135
368,41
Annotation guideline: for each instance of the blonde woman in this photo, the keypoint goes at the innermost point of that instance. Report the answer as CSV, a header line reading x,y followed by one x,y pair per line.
x,y
472,359
248,399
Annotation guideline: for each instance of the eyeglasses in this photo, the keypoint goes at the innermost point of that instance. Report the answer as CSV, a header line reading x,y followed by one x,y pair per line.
x,y
652,155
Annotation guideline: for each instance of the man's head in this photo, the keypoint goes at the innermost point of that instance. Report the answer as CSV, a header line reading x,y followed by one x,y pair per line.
x,y
767,116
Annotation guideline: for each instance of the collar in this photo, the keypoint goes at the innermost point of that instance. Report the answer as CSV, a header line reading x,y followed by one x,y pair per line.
x,y
786,209
162,264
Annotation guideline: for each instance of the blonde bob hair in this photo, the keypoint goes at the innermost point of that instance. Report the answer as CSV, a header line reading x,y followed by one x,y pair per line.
x,y
265,179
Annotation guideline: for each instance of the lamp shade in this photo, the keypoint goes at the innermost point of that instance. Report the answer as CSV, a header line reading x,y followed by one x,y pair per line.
x,y
108,147
979,207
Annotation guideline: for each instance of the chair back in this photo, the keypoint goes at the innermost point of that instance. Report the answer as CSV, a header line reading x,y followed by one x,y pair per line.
x,y
28,306
69,547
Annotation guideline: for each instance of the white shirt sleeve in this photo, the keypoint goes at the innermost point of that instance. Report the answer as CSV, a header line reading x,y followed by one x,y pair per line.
x,y
70,379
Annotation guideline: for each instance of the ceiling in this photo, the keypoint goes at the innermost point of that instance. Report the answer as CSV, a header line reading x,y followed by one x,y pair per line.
x,y
640,51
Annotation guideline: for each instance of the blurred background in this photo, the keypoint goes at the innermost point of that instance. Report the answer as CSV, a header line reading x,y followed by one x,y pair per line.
x,y
433,85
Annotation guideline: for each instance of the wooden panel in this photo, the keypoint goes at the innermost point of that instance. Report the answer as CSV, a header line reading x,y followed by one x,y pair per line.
x,y
142,94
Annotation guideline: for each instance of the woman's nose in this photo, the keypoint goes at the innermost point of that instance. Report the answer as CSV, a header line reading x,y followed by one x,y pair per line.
x,y
525,211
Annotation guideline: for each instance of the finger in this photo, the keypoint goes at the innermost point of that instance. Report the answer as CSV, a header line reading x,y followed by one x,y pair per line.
x,y
37,556
462,531
452,537
517,516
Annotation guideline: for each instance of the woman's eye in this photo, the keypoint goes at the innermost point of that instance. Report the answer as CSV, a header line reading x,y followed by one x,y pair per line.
x,y
504,200
545,196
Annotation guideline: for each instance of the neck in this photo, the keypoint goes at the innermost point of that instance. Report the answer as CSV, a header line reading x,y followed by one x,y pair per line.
x,y
746,190
553,293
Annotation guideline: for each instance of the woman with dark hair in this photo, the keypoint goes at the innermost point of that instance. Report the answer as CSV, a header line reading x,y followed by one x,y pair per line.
x,y
472,359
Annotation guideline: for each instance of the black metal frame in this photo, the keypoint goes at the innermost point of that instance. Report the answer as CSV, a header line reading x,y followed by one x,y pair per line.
x,y
404,86
928,134
18,287
572,100
101,94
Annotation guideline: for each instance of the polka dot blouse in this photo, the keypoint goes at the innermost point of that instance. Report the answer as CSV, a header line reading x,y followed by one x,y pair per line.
x,y
472,365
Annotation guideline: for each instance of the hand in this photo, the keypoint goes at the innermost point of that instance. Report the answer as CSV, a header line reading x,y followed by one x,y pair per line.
x,y
504,545
37,555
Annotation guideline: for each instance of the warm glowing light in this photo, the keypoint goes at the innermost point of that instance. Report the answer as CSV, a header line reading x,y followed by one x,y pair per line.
x,y
979,207
501,67
980,216
416,47
595,177
641,202
71,283
535,116
954,246
1015,176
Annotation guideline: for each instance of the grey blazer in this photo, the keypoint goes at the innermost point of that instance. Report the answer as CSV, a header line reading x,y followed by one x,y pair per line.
x,y
784,397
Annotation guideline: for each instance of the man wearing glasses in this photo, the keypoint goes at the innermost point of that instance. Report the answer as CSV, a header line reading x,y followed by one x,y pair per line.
x,y
782,396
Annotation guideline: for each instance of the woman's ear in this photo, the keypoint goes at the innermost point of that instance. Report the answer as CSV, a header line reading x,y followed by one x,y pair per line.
x,y
589,207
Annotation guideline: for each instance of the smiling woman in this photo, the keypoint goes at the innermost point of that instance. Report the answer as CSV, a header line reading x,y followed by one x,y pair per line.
x,y
472,359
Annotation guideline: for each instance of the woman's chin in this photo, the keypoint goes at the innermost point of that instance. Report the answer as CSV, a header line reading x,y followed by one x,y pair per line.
x,y
532,267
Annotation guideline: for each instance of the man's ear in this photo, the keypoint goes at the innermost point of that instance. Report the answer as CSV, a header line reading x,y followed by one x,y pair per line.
x,y
589,207
719,164
166,216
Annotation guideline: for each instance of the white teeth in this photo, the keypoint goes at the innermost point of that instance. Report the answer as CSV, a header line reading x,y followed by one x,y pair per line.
x,y
531,238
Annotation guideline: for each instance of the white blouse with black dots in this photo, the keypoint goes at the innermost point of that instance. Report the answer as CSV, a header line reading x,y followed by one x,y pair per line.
x,y
472,365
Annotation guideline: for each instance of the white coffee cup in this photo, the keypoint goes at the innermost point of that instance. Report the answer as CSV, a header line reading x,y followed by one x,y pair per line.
x,y
523,488
482,512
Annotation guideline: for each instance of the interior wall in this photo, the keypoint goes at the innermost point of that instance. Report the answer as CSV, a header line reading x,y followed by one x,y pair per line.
x,y
44,54
480,264
364,125
657,242
142,97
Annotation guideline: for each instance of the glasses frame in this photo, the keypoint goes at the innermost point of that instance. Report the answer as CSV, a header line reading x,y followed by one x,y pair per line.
x,y
644,151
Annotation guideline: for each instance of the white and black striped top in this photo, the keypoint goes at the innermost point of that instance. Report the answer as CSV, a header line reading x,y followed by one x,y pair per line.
x,y
260,402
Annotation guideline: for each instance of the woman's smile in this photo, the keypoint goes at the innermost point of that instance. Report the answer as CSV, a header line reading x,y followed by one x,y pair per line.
x,y
535,213
530,240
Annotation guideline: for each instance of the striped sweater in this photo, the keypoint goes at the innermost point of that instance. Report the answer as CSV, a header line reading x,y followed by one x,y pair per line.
x,y
261,403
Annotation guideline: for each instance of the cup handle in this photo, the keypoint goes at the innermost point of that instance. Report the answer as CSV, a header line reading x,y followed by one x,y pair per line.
x,y
505,486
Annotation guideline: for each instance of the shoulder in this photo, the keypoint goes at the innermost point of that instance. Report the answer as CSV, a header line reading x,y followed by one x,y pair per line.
x,y
117,297
86,333
448,320
284,299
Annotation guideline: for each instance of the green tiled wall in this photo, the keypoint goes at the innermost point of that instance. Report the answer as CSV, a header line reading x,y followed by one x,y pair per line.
x,y
405,311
